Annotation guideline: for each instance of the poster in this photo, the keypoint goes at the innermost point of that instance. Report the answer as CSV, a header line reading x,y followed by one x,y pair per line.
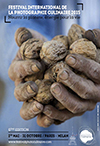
x,y
49,18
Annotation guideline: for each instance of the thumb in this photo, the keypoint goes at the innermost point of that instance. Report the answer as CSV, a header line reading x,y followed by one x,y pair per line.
x,y
22,34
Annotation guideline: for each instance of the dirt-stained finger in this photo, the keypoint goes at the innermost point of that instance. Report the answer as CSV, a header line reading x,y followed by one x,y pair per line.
x,y
25,91
22,34
44,121
71,100
21,69
83,87
56,114
30,109
87,66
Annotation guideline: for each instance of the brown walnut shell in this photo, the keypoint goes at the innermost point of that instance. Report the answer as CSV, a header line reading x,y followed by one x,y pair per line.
x,y
53,51
31,49
63,39
44,95
84,47
75,32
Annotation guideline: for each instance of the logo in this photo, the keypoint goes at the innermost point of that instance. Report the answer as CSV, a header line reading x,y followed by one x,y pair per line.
x,y
86,135
72,139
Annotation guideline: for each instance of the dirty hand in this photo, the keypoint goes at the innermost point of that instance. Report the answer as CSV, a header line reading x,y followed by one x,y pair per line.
x,y
20,69
84,93
24,90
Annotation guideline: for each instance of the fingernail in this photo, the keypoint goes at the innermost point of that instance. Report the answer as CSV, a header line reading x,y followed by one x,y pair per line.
x,y
30,100
56,89
24,35
63,75
47,122
71,60
29,89
35,108
38,105
48,112
35,68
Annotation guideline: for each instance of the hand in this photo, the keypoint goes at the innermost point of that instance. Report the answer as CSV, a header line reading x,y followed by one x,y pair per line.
x,y
51,116
84,93
20,69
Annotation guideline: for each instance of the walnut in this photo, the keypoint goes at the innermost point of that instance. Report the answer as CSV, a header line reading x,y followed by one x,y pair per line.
x,y
31,49
44,95
53,51
63,39
84,47
75,32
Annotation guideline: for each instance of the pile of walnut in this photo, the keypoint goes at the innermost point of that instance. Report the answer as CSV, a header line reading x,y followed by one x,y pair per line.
x,y
52,54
